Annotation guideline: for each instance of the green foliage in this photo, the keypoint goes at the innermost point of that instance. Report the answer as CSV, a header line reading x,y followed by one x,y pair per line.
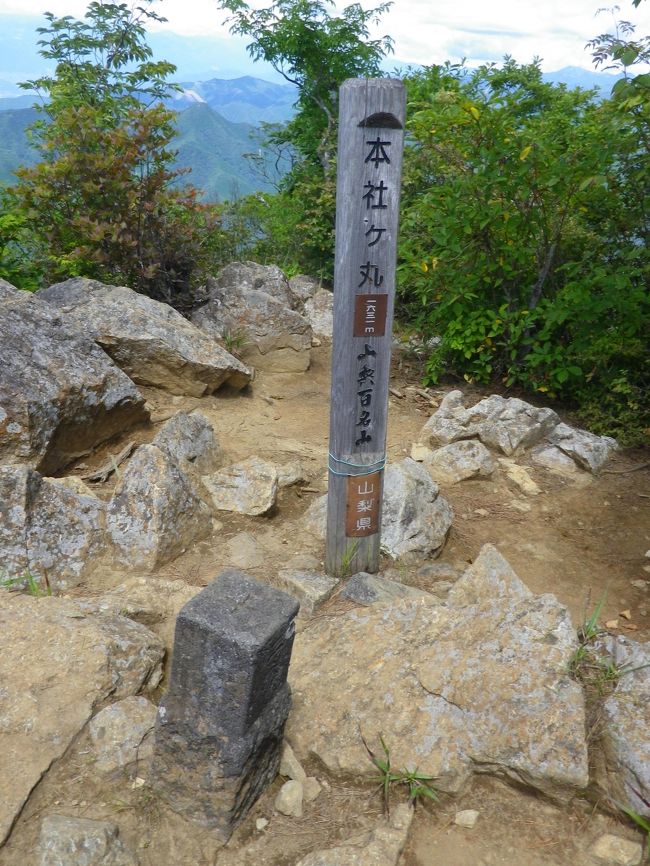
x,y
316,51
17,264
417,784
523,237
27,581
644,825
100,203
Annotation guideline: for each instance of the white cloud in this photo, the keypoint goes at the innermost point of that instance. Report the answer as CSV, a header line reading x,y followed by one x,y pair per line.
x,y
426,31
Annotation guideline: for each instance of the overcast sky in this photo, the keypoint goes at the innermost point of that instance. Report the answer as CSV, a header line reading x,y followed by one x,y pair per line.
x,y
431,31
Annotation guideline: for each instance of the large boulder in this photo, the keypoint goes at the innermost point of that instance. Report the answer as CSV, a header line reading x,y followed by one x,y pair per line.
x,y
507,425
155,512
319,312
588,451
415,518
47,530
147,339
60,394
626,727
479,684
249,487
255,312
7,290
76,659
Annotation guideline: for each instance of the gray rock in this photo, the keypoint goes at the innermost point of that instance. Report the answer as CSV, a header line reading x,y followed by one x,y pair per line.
x,y
367,589
459,461
478,684
190,439
589,451
302,288
290,473
48,530
239,277
118,734
83,658
553,458
60,394
311,789
250,487
319,312
290,766
154,514
7,290
381,847
507,425
149,340
311,588
626,727
467,818
614,851
274,337
415,518
68,841
289,799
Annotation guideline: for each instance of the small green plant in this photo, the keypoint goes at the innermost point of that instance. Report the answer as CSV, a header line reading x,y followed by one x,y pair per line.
x,y
234,341
587,633
348,555
417,783
644,825
26,581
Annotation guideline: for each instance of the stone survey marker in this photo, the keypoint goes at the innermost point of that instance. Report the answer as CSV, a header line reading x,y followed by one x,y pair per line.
x,y
220,726
370,144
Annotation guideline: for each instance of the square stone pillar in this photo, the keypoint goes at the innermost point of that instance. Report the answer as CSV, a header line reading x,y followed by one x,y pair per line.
x,y
219,728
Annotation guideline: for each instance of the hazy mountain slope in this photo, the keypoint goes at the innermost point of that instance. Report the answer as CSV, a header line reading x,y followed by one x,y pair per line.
x,y
14,147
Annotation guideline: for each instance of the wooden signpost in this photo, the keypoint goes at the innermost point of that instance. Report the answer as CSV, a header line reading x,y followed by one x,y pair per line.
x,y
370,144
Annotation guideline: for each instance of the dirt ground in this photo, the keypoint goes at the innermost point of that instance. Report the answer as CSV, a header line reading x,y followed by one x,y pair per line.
x,y
583,539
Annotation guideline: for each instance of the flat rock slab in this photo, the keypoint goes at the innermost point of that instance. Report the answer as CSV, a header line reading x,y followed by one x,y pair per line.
x,y
60,394
249,487
367,589
478,684
76,659
149,340
68,841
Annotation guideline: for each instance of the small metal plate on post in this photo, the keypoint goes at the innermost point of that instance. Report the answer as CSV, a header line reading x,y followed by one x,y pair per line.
x,y
370,315
363,505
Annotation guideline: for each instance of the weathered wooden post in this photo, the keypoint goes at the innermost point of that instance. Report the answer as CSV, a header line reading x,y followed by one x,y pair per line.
x,y
370,144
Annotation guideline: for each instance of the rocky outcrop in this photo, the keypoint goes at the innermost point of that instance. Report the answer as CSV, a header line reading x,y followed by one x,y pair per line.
x,y
301,288
250,487
149,340
77,658
251,304
60,394
458,461
588,451
155,513
319,312
189,439
6,289
415,518
47,530
626,727
478,684
506,425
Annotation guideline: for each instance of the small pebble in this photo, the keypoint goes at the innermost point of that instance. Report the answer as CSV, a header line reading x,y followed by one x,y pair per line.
x,y
311,788
467,818
615,851
261,824
289,799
